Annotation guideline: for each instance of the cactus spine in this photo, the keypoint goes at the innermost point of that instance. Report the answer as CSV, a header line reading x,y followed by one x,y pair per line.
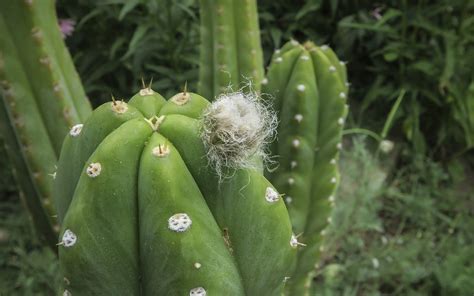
x,y
42,97
308,87
231,54
144,214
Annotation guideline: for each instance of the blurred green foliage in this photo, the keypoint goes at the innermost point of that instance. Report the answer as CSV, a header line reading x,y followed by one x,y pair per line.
x,y
396,231
425,47
26,267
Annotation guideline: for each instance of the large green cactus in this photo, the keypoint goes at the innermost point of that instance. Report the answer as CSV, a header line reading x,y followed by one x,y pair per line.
x,y
231,54
42,98
143,212
308,88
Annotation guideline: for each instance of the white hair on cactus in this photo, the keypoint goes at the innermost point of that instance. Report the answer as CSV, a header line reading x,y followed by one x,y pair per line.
x,y
236,127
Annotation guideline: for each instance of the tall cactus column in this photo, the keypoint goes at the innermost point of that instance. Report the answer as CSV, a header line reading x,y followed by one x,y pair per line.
x,y
307,87
42,96
231,54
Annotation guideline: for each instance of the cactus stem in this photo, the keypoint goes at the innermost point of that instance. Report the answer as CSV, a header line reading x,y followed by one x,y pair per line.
x,y
93,170
179,222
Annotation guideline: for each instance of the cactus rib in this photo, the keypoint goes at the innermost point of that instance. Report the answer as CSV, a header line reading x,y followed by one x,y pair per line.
x,y
231,55
42,96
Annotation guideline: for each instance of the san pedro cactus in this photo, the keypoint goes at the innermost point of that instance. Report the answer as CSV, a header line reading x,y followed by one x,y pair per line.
x,y
308,88
42,99
231,54
144,213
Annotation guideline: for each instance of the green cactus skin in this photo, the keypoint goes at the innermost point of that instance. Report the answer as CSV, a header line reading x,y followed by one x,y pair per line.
x,y
118,236
42,98
308,88
231,54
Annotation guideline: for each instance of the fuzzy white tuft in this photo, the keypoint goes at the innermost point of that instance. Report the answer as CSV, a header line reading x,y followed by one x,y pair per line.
x,y
235,128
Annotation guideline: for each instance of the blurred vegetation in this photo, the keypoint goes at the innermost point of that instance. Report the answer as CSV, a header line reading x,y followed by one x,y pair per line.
x,y
26,267
117,42
405,231
403,222
425,47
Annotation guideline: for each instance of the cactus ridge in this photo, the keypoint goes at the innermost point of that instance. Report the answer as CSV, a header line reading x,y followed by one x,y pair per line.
x,y
139,202
42,98
307,86
231,54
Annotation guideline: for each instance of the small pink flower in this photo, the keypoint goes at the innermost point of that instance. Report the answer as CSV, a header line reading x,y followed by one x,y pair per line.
x,y
376,13
67,27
